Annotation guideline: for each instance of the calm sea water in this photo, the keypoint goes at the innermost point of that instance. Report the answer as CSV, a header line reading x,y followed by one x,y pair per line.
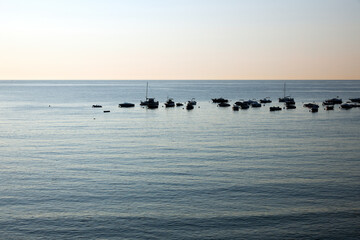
x,y
69,171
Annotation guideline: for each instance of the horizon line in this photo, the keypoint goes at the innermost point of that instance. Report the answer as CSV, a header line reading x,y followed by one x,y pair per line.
x,y
179,79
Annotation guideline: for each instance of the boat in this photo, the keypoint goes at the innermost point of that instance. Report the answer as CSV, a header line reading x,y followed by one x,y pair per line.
x,y
219,100
235,107
149,101
152,104
357,100
314,109
179,104
145,103
325,103
275,109
332,101
170,103
290,105
106,111
346,106
126,105
286,98
192,101
255,104
265,100
249,102
355,105
311,105
223,104
96,106
289,101
329,107
336,100
189,106
242,104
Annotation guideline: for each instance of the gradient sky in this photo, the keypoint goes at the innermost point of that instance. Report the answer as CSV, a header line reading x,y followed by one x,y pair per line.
x,y
179,39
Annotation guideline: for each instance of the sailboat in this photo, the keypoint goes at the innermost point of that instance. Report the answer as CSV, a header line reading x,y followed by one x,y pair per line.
x,y
286,98
149,102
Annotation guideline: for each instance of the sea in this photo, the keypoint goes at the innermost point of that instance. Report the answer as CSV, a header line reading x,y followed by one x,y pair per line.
x,y
70,171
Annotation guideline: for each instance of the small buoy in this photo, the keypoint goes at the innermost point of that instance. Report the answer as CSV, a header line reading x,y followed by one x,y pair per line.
x,y
49,105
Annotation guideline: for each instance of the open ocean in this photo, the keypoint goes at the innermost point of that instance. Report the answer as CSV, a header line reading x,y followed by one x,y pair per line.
x,y
69,171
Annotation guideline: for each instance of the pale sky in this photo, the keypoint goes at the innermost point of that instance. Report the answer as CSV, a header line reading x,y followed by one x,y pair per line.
x,y
179,39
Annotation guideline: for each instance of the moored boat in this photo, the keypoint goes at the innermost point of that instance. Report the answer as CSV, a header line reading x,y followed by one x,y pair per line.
x,y
126,105
249,102
149,102
311,105
242,104
332,101
355,105
357,100
314,109
189,106
219,100
329,107
286,98
192,101
144,103
275,108
223,104
170,103
152,104
346,106
290,105
96,106
349,105
255,104
265,100
289,101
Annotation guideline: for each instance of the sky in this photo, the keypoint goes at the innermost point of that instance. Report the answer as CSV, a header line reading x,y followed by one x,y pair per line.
x,y
179,39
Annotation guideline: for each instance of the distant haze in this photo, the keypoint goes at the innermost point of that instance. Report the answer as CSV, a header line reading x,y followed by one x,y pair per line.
x,y
179,39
